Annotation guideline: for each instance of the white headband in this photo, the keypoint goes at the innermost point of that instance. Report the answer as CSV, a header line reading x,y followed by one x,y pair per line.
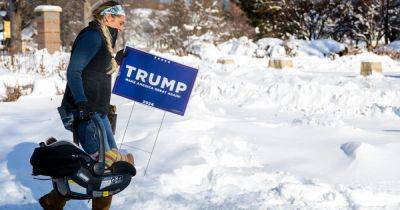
x,y
115,10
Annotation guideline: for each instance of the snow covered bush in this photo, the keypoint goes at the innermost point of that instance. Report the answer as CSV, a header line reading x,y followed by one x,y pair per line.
x,y
273,47
14,92
37,72
395,46
198,18
392,50
205,48
39,61
368,22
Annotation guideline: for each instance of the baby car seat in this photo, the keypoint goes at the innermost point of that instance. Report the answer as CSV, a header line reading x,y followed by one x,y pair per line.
x,y
75,175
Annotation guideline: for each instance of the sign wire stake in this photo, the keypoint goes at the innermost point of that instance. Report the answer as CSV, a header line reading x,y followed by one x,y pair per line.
x,y
154,145
136,148
127,124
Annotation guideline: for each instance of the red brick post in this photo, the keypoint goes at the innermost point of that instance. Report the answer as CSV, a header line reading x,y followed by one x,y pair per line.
x,y
48,23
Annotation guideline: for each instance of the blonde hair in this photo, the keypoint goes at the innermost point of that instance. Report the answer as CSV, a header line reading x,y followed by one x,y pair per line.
x,y
105,32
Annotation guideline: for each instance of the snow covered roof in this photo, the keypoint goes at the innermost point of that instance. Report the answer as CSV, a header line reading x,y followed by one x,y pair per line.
x,y
48,8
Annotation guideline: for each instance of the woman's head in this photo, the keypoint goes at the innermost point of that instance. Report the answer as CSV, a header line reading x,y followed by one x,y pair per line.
x,y
111,17
110,14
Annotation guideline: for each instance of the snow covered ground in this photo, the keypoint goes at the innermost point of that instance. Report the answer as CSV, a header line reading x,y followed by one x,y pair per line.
x,y
318,136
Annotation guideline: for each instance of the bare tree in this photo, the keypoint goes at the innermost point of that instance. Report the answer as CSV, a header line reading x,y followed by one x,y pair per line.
x,y
174,28
18,9
238,23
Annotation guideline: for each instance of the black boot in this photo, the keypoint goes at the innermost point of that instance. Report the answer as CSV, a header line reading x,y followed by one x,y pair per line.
x,y
101,203
53,201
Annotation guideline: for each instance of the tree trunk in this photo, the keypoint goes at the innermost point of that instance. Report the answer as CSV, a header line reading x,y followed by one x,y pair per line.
x,y
16,25
87,14
385,5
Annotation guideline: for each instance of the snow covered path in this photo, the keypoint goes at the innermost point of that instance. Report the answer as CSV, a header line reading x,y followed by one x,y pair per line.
x,y
251,139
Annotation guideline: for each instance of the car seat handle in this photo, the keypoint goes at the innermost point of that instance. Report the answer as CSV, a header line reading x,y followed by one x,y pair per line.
x,y
99,167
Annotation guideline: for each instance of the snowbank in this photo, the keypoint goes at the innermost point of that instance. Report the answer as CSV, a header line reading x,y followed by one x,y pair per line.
x,y
266,43
238,47
328,46
317,136
204,50
395,46
341,95
319,48
269,47
38,72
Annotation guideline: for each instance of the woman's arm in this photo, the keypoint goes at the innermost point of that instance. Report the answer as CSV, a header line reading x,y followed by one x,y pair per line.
x,y
87,46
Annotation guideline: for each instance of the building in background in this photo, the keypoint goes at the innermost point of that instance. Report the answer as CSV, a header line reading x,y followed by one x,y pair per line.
x,y
5,26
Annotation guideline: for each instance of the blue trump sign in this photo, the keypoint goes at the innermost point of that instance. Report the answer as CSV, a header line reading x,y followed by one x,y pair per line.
x,y
155,81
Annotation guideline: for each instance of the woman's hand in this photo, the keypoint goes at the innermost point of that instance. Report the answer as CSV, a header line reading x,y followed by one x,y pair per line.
x,y
119,57
83,111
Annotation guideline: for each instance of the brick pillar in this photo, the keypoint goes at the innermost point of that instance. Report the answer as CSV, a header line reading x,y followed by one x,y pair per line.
x,y
48,22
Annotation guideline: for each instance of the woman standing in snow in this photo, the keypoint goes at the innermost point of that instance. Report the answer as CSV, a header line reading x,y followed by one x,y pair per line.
x,y
88,90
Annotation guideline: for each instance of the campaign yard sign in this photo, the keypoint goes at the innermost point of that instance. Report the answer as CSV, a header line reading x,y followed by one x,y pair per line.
x,y
155,81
